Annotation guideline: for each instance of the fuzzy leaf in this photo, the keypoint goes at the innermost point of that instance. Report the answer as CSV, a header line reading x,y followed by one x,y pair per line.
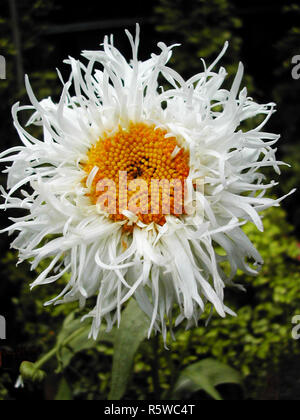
x,y
206,375
64,392
133,330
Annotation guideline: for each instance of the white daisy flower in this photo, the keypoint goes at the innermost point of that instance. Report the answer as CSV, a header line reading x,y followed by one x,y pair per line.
x,y
113,120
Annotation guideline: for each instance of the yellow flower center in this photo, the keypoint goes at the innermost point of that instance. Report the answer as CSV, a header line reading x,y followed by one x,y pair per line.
x,y
155,168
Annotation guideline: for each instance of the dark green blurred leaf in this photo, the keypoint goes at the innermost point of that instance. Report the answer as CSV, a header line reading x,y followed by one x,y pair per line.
x,y
205,376
64,392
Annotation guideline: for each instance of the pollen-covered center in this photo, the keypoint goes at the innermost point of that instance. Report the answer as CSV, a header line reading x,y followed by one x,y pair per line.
x,y
140,170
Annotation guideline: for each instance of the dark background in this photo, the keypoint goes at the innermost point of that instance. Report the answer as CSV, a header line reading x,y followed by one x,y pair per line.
x,y
263,34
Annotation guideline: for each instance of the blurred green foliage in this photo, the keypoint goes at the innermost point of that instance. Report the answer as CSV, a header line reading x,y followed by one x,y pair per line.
x,y
202,28
286,93
260,336
36,53
258,341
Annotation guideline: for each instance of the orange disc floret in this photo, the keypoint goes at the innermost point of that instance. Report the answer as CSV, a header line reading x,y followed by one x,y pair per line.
x,y
138,169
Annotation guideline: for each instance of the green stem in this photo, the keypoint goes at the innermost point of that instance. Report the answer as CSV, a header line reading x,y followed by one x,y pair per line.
x,y
56,349
45,358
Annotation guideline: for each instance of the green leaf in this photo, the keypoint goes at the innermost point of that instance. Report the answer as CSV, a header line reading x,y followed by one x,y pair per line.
x,y
133,330
64,392
206,375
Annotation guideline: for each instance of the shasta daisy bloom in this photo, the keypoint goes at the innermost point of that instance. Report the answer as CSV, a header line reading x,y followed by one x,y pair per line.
x,y
114,136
